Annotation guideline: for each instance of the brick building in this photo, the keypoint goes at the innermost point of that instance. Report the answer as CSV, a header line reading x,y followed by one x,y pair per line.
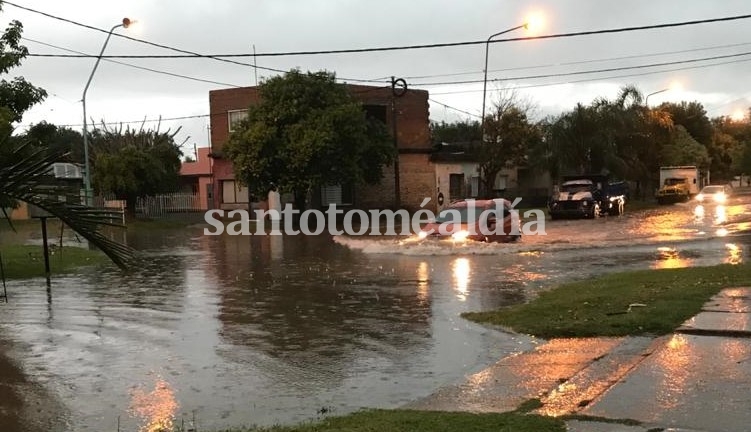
x,y
416,173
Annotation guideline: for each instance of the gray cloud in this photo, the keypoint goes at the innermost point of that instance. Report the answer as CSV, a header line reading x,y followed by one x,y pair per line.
x,y
230,26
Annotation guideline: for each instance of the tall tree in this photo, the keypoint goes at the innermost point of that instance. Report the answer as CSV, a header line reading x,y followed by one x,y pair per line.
x,y
307,131
577,140
132,163
509,136
693,117
731,138
683,149
466,131
57,140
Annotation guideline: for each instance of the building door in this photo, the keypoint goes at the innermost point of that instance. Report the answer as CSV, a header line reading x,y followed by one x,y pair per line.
x,y
456,186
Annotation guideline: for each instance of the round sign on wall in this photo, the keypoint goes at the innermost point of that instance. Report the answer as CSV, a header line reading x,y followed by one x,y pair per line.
x,y
440,198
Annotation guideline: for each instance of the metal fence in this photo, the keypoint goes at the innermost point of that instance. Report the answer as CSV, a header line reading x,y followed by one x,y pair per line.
x,y
168,205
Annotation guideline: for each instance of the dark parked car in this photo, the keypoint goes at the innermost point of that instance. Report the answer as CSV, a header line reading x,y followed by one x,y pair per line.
x,y
588,196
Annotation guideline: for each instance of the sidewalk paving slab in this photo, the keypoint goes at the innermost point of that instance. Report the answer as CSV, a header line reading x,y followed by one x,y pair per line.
x,y
699,381
513,380
725,314
593,426
731,300
589,383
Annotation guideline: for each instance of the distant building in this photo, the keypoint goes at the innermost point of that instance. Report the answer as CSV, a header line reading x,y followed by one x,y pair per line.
x,y
457,172
416,173
196,177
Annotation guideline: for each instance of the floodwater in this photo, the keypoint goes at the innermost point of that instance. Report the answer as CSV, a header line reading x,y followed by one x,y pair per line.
x,y
232,331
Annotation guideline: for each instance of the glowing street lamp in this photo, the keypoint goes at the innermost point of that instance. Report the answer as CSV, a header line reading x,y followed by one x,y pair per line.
x,y
534,23
646,100
674,86
87,172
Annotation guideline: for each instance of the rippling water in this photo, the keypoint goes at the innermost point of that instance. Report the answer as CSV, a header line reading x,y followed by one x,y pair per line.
x,y
259,330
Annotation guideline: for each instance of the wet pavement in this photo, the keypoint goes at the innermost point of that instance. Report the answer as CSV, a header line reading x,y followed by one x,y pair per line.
x,y
263,330
697,381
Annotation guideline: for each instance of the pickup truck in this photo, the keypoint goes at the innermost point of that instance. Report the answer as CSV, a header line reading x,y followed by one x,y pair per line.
x,y
588,196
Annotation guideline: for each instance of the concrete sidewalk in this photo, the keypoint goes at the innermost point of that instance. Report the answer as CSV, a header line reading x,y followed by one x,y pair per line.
x,y
696,379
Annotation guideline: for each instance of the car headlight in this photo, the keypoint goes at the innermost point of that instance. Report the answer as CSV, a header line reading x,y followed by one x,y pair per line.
x,y
720,197
460,235
585,203
422,235
700,197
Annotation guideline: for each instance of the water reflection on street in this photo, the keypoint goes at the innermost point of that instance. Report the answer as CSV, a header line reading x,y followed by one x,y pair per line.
x,y
260,330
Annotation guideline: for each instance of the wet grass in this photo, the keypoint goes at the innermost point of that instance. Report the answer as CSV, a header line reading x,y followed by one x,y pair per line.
x,y
424,421
649,302
27,261
168,223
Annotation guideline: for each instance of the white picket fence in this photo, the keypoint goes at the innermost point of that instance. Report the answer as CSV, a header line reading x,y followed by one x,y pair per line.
x,y
165,205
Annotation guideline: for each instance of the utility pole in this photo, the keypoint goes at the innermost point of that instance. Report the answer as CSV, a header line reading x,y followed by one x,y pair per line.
x,y
255,65
398,89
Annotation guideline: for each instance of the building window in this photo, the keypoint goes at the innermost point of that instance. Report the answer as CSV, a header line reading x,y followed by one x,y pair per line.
x,y
234,193
474,185
501,182
236,117
456,186
337,194
377,112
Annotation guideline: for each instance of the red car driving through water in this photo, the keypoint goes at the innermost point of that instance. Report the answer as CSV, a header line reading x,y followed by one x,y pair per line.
x,y
493,220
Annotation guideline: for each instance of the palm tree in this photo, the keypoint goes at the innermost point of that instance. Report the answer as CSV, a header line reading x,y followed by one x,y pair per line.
x,y
24,176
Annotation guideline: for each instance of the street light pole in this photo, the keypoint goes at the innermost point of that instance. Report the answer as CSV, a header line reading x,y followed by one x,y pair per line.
x,y
646,99
485,70
87,172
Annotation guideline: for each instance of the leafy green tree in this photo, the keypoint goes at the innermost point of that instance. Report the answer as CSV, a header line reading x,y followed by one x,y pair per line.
x,y
576,140
619,136
509,134
693,117
16,95
728,147
683,149
457,132
134,163
307,131
57,140
25,168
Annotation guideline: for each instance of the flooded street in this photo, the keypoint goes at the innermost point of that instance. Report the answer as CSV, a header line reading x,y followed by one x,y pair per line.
x,y
234,331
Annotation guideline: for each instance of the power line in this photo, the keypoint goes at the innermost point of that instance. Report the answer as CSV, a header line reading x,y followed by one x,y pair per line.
x,y
446,93
453,108
226,57
188,117
196,116
604,78
585,72
579,62
134,66
185,53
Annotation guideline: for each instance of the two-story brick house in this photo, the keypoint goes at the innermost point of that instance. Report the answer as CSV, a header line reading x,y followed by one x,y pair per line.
x,y
416,173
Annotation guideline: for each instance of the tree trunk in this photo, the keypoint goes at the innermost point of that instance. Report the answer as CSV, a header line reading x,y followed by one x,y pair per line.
x,y
488,181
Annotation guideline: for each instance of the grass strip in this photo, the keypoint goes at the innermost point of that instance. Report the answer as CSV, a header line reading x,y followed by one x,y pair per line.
x,y
27,261
424,421
648,302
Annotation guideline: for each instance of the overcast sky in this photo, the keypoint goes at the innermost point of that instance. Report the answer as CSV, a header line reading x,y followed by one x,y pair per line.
x,y
122,93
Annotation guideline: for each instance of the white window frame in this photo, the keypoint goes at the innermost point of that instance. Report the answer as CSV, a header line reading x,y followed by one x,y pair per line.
x,y
239,192
240,116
